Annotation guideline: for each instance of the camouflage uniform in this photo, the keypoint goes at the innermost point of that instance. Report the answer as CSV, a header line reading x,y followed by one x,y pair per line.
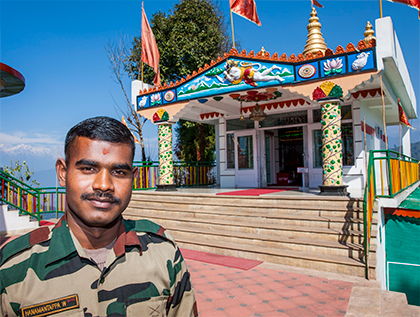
x,y
47,272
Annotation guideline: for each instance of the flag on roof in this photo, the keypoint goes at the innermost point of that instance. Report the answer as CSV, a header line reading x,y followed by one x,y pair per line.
x,y
149,50
317,4
246,9
412,3
125,123
402,115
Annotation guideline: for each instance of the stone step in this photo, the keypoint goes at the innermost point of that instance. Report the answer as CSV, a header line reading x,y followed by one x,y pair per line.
x,y
277,217
323,262
344,249
266,201
372,301
291,232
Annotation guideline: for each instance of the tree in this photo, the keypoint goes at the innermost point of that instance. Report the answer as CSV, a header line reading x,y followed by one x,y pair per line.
x,y
193,34
197,141
21,172
119,55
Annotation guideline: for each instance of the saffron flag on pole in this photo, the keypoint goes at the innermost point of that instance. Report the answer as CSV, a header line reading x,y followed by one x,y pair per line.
x,y
125,123
317,4
412,3
149,50
246,9
403,118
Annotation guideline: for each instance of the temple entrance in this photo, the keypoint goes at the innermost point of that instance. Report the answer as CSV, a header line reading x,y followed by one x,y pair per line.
x,y
290,156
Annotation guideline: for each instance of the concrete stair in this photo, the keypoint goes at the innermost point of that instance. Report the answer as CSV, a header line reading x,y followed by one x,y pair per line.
x,y
321,233
13,223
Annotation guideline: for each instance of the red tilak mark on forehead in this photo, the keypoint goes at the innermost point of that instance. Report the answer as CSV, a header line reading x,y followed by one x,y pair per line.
x,y
105,151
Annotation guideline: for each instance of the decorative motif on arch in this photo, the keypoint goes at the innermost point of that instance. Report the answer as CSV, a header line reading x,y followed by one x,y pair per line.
x,y
235,72
327,90
160,116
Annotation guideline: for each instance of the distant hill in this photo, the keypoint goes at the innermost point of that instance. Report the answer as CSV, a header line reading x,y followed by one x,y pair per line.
x,y
415,150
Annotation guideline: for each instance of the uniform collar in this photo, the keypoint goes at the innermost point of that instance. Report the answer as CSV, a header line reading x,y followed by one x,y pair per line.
x,y
62,244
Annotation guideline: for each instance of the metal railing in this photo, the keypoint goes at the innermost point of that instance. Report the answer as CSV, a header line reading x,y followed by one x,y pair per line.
x,y
389,173
19,195
186,174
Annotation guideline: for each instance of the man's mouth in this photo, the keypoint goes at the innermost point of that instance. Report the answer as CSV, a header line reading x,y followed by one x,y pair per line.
x,y
101,200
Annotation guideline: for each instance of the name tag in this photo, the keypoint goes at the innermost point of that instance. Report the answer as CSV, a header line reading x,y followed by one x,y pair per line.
x,y
51,307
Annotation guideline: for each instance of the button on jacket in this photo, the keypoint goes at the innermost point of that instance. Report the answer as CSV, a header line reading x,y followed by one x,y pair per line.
x,y
47,272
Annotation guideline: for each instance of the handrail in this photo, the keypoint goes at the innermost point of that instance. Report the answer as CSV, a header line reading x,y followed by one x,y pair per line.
x,y
20,195
400,172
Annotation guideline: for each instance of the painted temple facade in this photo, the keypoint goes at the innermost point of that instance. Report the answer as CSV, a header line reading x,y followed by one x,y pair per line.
x,y
321,110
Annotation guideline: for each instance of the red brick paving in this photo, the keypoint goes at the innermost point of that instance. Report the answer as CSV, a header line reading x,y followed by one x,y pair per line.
x,y
231,292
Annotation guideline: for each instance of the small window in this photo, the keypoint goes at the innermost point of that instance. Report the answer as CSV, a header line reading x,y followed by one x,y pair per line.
x,y
236,124
230,150
282,119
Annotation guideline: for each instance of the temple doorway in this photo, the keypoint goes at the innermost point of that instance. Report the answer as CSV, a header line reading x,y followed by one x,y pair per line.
x,y
291,156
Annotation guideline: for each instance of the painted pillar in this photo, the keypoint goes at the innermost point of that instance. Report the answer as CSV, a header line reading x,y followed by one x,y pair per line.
x,y
332,150
166,165
328,95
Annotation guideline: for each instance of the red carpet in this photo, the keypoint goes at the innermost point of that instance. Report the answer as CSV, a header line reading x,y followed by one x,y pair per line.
x,y
255,191
46,223
224,260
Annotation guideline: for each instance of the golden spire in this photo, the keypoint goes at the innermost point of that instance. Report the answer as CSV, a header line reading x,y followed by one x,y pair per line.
x,y
368,33
315,41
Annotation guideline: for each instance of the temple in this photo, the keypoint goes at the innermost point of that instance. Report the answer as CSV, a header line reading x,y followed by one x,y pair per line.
x,y
279,117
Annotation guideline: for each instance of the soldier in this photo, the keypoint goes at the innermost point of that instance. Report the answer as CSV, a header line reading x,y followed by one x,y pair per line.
x,y
93,262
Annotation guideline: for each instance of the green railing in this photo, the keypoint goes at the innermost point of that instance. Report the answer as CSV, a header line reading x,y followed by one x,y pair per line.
x,y
186,174
19,195
41,202
389,173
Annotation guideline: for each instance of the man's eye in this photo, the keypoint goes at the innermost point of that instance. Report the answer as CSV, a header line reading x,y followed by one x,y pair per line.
x,y
120,173
87,169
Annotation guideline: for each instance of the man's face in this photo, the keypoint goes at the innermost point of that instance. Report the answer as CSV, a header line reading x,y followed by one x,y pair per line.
x,y
98,177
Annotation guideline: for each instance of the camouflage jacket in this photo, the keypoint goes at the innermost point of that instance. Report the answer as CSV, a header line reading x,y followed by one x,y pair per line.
x,y
47,272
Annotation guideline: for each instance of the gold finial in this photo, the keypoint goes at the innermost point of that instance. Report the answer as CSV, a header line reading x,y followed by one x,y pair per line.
x,y
315,41
263,50
368,33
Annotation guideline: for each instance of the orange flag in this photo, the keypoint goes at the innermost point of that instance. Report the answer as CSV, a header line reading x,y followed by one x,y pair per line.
x,y
317,4
412,3
246,9
403,117
149,50
125,123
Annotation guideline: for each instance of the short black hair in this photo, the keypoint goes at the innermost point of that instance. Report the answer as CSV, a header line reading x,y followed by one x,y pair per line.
x,y
102,129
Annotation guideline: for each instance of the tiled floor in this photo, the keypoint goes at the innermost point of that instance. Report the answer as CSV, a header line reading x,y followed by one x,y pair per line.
x,y
223,291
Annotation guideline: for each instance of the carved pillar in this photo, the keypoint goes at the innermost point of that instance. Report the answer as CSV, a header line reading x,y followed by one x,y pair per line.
x,y
166,165
328,95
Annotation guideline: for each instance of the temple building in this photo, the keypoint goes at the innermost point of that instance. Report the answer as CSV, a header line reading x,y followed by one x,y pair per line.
x,y
279,117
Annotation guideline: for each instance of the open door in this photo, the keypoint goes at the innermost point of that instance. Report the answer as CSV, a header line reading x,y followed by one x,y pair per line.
x,y
245,156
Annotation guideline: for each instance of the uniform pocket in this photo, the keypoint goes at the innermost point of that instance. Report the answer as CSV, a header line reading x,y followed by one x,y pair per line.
x,y
154,307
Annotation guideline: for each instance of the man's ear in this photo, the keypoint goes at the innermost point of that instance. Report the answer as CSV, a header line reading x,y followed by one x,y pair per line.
x,y
61,168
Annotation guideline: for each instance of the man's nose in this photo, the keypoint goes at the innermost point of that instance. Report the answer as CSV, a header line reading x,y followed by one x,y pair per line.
x,y
103,181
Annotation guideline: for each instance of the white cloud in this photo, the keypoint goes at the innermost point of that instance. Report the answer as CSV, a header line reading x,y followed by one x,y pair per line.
x,y
23,138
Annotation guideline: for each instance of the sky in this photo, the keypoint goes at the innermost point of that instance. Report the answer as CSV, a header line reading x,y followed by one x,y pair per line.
x,y
59,47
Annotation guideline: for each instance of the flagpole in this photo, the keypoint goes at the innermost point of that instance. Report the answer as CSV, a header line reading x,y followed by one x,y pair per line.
x,y
400,138
231,23
380,8
141,75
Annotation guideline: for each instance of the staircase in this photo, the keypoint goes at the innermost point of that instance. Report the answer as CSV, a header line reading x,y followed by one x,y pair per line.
x,y
321,233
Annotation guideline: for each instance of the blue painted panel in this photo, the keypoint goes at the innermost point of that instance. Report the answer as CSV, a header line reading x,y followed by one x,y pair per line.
x,y
333,66
143,102
307,71
169,96
360,61
234,75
